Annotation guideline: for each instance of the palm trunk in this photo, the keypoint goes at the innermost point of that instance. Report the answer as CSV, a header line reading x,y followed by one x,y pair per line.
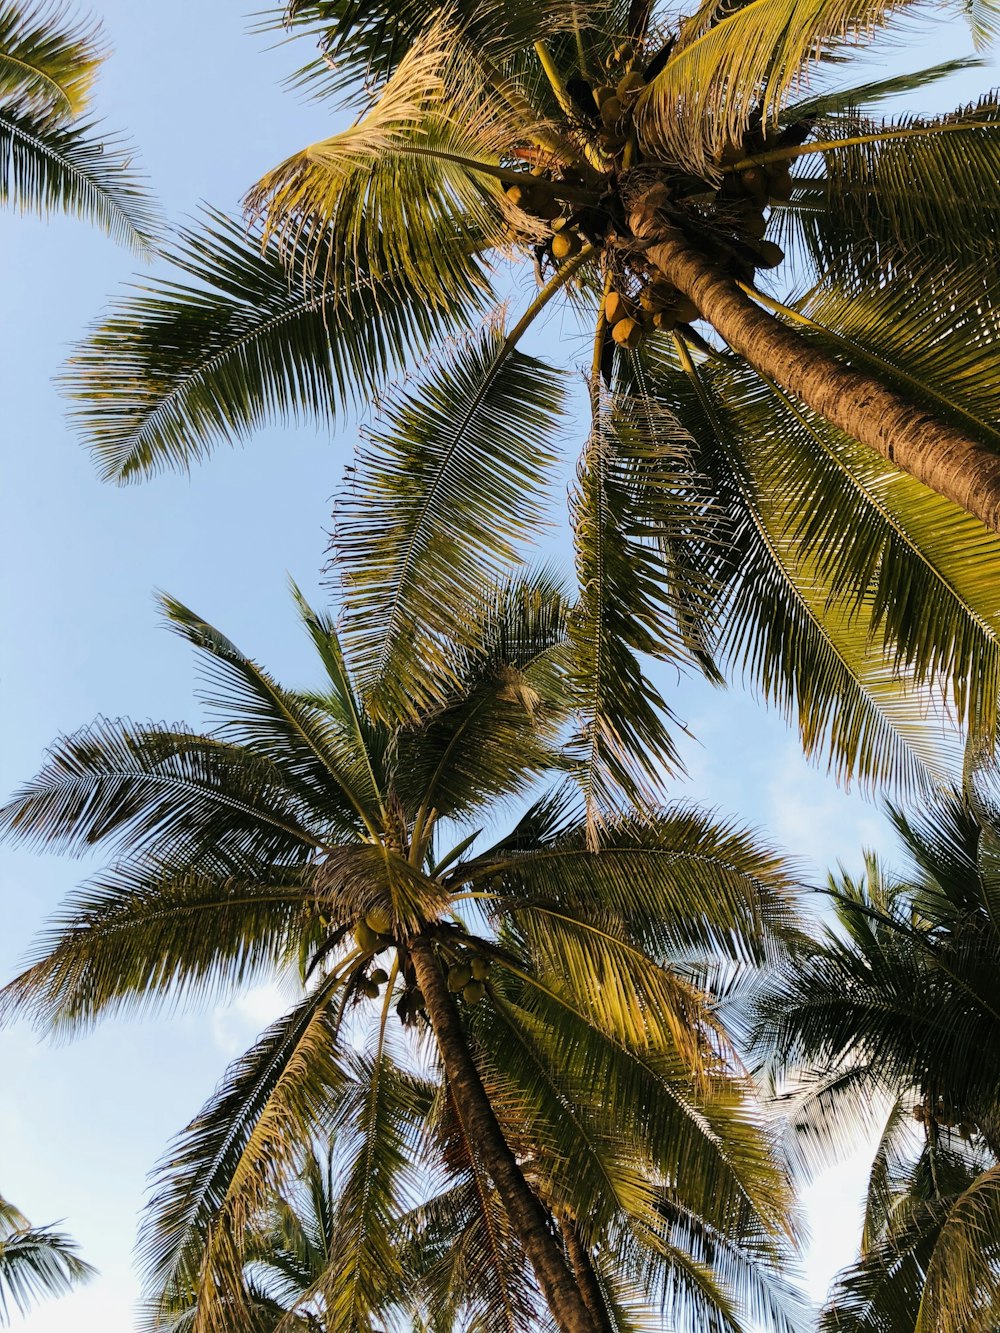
x,y
586,1276
527,1216
944,458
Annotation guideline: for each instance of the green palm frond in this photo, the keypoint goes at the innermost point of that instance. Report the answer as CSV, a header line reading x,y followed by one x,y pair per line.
x,y
859,96
35,1263
443,500
130,940
503,702
734,64
380,1121
46,166
401,183
47,62
903,193
961,1289
237,341
221,1170
808,650
319,758
678,881
637,496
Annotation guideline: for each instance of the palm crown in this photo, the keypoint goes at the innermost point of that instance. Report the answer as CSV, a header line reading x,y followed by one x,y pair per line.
x,y
896,1008
34,1262
722,516
592,1100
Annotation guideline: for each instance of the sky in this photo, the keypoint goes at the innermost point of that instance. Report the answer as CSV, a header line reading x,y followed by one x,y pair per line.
x,y
82,1124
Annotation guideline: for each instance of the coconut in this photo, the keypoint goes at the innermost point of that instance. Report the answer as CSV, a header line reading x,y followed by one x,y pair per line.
x,y
630,85
756,184
379,920
480,968
459,977
753,226
611,112
627,332
564,244
666,319
379,976
473,992
617,306
366,938
370,989
769,254
685,309
602,92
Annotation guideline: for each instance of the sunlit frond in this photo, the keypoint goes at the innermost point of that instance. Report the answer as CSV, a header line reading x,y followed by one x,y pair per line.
x,y
47,60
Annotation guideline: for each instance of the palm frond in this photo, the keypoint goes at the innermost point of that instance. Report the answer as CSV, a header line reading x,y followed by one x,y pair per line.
x,y
961,1289
46,166
443,501
637,496
222,1168
398,184
733,65
239,340
47,61
37,1262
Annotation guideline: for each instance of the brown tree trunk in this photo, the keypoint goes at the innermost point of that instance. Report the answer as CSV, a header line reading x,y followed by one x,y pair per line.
x,y
527,1215
586,1276
944,458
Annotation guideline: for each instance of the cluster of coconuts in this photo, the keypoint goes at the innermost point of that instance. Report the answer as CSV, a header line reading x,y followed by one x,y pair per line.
x,y
372,935
942,1115
746,192
659,306
467,977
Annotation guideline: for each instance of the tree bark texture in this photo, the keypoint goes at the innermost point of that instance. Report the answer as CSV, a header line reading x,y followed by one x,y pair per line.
x,y
586,1276
527,1215
944,458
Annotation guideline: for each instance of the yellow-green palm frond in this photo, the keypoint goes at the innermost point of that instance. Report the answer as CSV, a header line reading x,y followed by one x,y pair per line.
x,y
737,63
47,62
961,1289
400,185
443,500
237,340
225,1166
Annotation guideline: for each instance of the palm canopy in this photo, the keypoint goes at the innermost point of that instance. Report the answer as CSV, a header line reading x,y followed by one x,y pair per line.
x,y
34,1262
717,519
51,156
562,989
897,1008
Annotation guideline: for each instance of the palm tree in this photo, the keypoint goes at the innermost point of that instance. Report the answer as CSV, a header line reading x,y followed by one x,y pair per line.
x,y
34,1262
593,1098
724,513
897,1009
50,156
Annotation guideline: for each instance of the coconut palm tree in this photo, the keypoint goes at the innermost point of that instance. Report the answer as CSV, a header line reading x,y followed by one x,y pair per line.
x,y
635,161
51,157
594,1102
34,1262
897,1010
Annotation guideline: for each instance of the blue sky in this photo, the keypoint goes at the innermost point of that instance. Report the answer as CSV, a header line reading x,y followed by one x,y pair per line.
x,y
81,1124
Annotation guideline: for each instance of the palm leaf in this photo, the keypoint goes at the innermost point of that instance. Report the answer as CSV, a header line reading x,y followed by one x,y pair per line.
x,y
238,342
221,1169
442,502
37,1262
397,184
724,73
47,63
45,166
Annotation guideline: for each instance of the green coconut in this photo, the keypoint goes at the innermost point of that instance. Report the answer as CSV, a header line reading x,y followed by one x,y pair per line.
x,y
632,83
459,976
611,112
480,968
473,992
367,939
370,989
379,976
379,920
